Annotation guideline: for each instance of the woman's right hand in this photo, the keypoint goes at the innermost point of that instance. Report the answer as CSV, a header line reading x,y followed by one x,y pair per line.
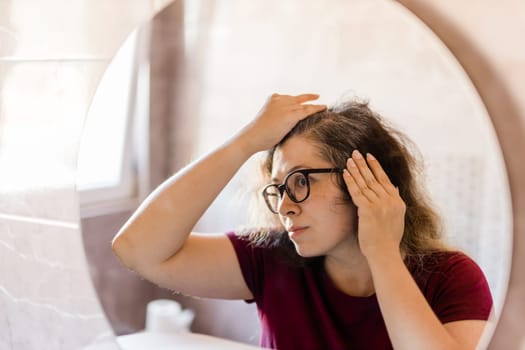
x,y
156,240
277,117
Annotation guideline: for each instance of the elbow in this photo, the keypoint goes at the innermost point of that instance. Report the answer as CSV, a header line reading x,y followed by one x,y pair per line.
x,y
123,250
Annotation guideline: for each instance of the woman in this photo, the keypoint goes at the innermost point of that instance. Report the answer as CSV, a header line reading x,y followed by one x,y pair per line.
x,y
366,270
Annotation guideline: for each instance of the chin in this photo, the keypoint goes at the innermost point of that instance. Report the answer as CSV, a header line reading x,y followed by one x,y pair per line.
x,y
307,252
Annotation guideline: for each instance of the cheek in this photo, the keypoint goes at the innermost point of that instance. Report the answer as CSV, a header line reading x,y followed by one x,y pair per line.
x,y
345,213
341,202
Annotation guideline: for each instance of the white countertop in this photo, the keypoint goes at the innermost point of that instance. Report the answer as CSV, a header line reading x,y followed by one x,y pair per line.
x,y
178,341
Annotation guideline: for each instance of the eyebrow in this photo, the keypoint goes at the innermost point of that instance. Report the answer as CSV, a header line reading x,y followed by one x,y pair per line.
x,y
300,166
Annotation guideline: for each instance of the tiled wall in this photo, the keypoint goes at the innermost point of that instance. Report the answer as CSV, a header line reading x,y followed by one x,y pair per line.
x,y
52,54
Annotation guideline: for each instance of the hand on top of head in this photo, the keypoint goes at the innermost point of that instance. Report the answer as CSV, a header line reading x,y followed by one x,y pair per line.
x,y
277,117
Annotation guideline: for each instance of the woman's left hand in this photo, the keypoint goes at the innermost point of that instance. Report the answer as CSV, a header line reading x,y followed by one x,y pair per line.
x,y
380,208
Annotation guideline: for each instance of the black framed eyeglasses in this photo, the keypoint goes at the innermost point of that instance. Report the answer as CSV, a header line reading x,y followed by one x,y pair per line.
x,y
297,187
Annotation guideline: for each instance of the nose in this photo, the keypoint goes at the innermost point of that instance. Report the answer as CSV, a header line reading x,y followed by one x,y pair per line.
x,y
286,206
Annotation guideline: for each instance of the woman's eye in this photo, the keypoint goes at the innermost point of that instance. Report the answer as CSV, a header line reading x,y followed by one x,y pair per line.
x,y
301,181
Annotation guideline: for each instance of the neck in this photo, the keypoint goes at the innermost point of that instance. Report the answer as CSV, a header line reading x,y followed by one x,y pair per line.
x,y
350,273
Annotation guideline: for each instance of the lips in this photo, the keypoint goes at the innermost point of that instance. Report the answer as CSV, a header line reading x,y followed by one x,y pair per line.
x,y
296,230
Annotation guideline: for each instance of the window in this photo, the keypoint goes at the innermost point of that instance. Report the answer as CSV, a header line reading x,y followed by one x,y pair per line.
x,y
110,169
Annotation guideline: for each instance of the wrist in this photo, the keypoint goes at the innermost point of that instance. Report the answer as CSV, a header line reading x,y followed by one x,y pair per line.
x,y
242,145
246,142
383,255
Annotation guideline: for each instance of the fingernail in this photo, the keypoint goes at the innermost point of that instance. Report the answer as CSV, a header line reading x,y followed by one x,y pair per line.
x,y
351,162
356,154
370,156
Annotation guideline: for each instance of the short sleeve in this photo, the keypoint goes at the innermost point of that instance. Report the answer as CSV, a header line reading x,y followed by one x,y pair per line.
x,y
459,290
251,262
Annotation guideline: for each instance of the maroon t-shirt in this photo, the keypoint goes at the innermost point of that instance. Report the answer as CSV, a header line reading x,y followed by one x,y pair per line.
x,y
300,308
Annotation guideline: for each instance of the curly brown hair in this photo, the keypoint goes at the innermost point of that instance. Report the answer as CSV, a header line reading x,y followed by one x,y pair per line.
x,y
339,130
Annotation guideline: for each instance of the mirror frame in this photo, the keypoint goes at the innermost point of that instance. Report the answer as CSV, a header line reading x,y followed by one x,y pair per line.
x,y
508,122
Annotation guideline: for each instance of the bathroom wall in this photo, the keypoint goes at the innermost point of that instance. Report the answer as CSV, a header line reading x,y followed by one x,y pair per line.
x,y
47,78
52,54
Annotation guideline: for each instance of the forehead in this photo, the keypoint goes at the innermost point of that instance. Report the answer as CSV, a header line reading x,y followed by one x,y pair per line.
x,y
296,153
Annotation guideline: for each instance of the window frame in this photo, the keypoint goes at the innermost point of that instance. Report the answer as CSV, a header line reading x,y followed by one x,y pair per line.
x,y
134,167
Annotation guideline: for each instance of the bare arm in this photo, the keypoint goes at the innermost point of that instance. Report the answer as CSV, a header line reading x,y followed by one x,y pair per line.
x,y
154,241
410,321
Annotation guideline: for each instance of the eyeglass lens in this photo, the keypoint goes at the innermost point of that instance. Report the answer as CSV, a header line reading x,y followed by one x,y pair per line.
x,y
297,189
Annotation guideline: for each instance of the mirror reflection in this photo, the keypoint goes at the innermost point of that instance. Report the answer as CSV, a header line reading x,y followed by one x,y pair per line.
x,y
209,69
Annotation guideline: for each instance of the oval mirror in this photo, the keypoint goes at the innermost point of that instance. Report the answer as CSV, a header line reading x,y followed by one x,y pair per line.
x,y
200,70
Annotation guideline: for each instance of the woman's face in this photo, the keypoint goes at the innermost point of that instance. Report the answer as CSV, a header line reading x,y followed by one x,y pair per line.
x,y
323,224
